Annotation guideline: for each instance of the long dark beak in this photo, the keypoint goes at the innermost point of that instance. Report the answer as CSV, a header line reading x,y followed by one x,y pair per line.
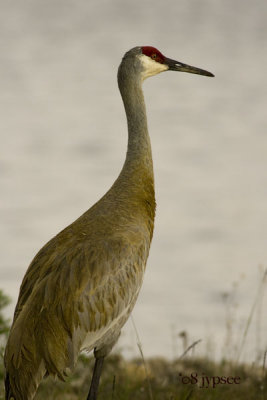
x,y
178,66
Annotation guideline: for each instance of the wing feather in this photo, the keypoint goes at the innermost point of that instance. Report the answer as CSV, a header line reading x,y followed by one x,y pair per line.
x,y
76,291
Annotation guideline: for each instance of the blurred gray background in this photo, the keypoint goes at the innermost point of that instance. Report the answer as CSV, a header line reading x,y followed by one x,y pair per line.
x,y
63,142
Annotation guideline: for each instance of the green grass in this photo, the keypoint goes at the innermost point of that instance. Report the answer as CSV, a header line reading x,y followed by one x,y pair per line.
x,y
4,328
124,379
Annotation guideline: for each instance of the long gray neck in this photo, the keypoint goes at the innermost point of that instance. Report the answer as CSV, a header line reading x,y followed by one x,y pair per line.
x,y
132,198
139,147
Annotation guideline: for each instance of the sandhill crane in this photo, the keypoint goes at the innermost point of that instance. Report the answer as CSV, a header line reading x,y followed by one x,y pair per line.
x,y
81,287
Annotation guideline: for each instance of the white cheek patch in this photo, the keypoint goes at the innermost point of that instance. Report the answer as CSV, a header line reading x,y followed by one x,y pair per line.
x,y
151,67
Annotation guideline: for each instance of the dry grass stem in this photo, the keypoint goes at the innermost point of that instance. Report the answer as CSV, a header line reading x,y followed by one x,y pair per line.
x,y
257,299
189,348
139,344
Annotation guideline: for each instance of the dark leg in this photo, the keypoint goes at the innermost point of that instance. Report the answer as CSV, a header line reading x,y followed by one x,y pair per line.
x,y
99,361
100,354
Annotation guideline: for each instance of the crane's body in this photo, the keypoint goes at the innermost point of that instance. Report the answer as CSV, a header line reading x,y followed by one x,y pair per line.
x,y
82,285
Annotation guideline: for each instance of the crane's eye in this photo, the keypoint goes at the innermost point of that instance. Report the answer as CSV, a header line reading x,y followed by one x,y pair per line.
x,y
154,56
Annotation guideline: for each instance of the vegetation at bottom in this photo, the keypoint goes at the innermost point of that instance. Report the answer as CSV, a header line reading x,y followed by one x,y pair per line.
x,y
4,328
128,380
189,378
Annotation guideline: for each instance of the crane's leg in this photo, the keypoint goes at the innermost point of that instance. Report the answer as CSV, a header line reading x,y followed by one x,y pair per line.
x,y
99,361
100,355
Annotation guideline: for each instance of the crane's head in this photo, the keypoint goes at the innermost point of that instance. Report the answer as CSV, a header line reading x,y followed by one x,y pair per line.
x,y
153,62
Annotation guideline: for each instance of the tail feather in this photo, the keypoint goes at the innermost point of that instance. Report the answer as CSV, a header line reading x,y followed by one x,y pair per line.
x,y
24,369
31,353
8,395
22,384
